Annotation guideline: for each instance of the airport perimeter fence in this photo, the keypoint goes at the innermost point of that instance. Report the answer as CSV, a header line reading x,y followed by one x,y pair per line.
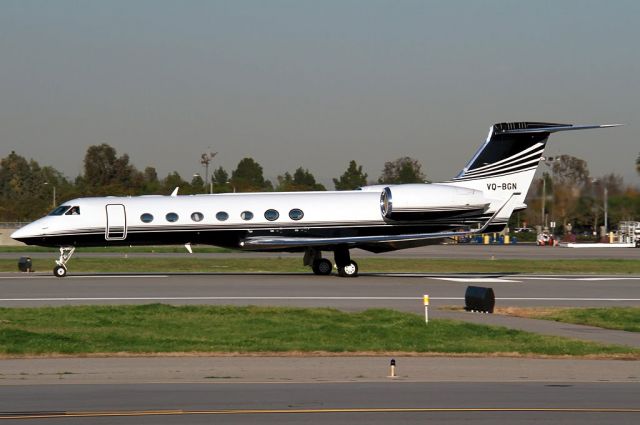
x,y
6,229
13,224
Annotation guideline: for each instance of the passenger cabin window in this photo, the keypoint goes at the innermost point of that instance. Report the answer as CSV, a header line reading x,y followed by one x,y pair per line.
x,y
296,214
172,217
271,215
246,215
73,211
222,216
60,210
197,216
146,218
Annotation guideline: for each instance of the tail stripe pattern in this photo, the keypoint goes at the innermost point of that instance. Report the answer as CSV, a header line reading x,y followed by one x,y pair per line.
x,y
509,163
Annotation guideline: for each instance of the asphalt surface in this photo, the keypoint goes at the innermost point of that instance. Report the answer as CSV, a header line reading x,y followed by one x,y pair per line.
x,y
335,403
238,390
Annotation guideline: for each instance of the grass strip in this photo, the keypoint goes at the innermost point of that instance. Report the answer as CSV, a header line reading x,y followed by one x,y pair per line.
x,y
159,328
617,318
234,264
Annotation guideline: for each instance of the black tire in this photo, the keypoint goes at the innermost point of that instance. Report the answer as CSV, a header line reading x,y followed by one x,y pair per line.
x,y
59,271
638,243
322,267
349,270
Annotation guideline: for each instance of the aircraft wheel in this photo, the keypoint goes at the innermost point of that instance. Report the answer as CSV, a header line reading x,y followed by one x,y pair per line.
x,y
638,244
59,271
322,267
350,270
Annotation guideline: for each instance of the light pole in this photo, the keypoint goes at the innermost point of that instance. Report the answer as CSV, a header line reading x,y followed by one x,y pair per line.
x,y
543,216
53,198
606,210
605,202
544,199
198,176
205,159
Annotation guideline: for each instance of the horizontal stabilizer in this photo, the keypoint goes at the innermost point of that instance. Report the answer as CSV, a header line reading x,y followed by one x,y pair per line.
x,y
551,128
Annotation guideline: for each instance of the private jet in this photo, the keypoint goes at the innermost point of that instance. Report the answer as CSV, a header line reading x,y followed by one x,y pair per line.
x,y
377,218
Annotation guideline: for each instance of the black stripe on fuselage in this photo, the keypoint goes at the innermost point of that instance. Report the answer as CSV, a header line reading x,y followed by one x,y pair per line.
x,y
226,238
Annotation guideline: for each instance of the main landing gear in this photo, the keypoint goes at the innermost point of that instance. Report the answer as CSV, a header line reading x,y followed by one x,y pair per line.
x,y
66,252
323,267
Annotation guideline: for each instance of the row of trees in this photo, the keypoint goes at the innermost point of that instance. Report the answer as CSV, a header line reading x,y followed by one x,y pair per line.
x,y
28,190
570,197
565,194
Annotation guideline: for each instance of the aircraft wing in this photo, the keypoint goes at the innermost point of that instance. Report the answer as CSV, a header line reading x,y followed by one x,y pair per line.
x,y
279,242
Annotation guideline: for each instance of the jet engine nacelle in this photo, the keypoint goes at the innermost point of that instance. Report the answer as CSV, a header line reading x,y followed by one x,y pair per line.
x,y
430,201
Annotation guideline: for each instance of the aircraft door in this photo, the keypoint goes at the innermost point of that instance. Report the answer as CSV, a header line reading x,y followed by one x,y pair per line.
x,y
116,228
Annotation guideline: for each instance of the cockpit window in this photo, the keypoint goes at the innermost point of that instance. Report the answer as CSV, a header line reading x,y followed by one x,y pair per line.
x,y
60,210
73,211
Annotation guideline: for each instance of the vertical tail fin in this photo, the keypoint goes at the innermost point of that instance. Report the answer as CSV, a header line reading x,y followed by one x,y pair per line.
x,y
507,162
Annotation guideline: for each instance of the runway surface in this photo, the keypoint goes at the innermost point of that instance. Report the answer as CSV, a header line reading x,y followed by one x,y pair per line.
x,y
392,290
335,403
238,390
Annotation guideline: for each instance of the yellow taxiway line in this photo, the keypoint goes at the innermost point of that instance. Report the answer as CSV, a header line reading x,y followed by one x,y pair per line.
x,y
97,414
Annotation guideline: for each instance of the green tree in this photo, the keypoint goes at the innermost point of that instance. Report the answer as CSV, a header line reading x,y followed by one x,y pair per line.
x,y
570,181
197,185
302,180
172,181
352,179
638,164
220,179
402,170
26,189
99,165
248,177
151,184
107,174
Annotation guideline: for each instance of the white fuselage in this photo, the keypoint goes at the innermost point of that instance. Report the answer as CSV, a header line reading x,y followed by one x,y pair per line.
x,y
225,219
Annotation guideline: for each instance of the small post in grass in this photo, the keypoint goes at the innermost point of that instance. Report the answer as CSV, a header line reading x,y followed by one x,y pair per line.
x,y
426,308
392,373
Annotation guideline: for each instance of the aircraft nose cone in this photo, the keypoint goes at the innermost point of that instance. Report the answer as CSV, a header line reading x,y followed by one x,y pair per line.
x,y
26,232
19,234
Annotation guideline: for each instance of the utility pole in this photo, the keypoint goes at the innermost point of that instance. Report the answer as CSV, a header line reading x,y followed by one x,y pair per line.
x,y
544,200
53,200
606,210
205,159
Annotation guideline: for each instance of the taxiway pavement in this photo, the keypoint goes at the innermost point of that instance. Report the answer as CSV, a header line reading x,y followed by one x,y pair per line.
x,y
320,403
336,390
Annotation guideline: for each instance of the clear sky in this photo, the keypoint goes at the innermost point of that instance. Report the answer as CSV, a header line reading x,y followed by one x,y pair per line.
x,y
315,83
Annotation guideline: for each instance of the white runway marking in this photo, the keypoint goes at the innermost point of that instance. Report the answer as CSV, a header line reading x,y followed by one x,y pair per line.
x,y
138,276
477,279
320,298
221,298
514,279
581,279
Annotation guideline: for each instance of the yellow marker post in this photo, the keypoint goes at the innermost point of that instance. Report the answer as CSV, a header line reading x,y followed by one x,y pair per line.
x,y
426,308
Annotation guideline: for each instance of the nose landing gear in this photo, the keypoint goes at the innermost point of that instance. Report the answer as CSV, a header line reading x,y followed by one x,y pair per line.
x,y
66,252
